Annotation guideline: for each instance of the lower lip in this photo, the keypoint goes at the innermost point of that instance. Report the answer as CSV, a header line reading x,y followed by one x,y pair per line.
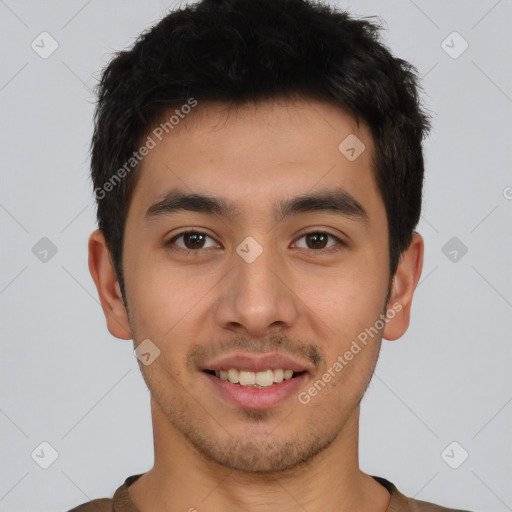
x,y
257,398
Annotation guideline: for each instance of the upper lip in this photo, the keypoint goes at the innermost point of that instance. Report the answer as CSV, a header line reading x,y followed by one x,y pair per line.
x,y
255,363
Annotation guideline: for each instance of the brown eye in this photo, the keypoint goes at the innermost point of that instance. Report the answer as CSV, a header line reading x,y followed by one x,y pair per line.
x,y
318,240
191,240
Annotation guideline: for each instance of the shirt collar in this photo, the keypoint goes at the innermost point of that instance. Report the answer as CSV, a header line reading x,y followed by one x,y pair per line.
x,y
123,503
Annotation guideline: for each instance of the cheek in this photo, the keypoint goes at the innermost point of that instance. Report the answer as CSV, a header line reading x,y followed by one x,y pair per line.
x,y
348,298
163,296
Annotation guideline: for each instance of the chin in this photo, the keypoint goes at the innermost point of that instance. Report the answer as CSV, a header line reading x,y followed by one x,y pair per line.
x,y
260,453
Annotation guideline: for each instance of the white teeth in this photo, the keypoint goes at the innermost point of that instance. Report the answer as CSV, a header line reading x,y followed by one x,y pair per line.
x,y
247,378
261,379
233,376
278,375
265,378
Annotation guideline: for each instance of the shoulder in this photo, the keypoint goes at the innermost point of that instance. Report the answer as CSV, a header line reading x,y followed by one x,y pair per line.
x,y
401,503
424,506
120,502
100,505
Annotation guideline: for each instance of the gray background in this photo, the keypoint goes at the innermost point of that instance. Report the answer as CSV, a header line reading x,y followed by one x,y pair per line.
x,y
66,381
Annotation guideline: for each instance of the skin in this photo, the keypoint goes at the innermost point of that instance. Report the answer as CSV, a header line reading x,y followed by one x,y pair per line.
x,y
294,299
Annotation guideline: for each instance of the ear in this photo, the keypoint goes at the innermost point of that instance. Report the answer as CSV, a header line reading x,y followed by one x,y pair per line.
x,y
403,285
105,279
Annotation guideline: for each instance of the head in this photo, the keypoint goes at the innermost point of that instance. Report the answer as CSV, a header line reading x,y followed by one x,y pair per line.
x,y
286,139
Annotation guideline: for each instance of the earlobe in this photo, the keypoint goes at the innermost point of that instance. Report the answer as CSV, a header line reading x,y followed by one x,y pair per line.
x,y
109,292
403,286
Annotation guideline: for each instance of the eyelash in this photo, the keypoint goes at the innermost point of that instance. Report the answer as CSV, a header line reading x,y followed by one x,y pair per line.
x,y
341,244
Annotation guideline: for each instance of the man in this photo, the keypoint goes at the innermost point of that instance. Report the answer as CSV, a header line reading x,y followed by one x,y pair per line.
x,y
258,169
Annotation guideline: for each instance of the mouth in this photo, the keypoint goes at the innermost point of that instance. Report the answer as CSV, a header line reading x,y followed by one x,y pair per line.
x,y
255,391
257,380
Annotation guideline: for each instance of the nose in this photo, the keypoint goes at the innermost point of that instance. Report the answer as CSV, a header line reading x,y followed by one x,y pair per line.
x,y
257,298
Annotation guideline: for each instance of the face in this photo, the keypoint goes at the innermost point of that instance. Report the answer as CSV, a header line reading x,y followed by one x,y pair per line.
x,y
257,277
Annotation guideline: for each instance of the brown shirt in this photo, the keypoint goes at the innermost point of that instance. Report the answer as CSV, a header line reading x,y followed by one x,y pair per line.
x,y
121,501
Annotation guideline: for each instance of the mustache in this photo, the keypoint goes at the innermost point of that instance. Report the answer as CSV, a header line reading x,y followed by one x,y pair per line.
x,y
310,352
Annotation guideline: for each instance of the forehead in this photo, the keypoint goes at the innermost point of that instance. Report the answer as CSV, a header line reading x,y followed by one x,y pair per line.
x,y
257,154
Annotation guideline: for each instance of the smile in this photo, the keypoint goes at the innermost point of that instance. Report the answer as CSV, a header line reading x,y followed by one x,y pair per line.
x,y
255,390
260,379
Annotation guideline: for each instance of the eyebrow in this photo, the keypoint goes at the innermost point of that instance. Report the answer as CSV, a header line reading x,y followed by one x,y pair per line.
x,y
335,200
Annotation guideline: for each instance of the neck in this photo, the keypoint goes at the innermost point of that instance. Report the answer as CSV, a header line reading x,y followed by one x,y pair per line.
x,y
182,477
